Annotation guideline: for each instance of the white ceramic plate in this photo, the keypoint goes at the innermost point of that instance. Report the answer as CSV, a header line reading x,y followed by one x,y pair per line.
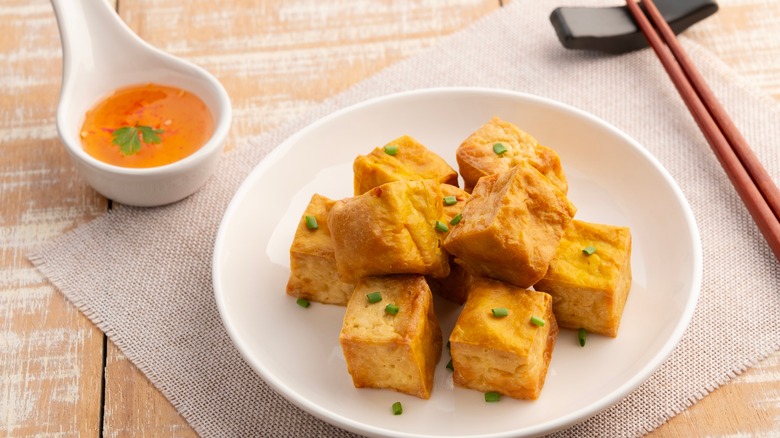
x,y
612,180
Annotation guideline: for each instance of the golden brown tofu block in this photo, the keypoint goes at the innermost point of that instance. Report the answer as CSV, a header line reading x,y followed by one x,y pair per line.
x,y
508,354
398,351
511,226
477,158
313,273
390,229
590,290
453,287
402,159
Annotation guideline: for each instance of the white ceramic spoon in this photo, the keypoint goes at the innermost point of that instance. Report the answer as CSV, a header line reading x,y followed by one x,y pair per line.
x,y
100,55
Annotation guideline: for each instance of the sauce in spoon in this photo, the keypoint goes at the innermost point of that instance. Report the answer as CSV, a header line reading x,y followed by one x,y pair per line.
x,y
146,126
102,55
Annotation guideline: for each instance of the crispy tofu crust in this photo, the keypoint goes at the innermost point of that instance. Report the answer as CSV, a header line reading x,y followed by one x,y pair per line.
x,y
400,351
453,287
476,158
590,291
511,226
389,230
452,210
313,273
510,355
412,161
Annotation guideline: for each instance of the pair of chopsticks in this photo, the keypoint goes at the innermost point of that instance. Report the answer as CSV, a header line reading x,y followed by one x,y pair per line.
x,y
752,182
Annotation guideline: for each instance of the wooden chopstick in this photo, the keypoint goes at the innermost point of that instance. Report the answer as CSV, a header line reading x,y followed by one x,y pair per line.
x,y
738,143
752,182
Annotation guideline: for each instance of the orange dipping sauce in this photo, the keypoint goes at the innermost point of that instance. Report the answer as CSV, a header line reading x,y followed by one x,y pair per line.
x,y
180,120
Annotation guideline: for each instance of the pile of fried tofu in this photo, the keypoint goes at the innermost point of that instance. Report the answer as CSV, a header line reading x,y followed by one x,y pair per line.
x,y
506,247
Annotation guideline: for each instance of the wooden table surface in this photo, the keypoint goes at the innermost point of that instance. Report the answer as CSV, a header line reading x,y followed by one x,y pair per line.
x,y
59,375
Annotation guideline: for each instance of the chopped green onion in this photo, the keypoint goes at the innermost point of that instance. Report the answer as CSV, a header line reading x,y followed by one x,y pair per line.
x,y
500,312
492,396
589,250
391,149
450,200
456,219
374,297
581,335
303,302
441,227
391,309
535,320
397,408
449,366
499,148
311,223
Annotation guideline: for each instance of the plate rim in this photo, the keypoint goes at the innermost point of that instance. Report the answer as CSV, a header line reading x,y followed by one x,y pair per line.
x,y
567,420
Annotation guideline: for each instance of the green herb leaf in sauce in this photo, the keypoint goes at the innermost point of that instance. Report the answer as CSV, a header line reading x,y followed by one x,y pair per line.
x,y
129,138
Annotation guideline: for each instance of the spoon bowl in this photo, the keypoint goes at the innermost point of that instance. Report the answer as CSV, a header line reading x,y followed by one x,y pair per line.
x,y
101,55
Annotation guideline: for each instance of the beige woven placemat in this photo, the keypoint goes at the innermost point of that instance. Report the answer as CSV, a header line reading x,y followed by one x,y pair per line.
x,y
144,275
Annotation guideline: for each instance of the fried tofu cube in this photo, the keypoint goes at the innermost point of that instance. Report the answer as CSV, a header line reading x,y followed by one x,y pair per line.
x,y
394,351
508,354
590,290
402,159
511,226
476,156
313,273
453,287
390,229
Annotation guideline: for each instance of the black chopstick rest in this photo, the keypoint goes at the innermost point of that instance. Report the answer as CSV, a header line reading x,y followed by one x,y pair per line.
x,y
613,30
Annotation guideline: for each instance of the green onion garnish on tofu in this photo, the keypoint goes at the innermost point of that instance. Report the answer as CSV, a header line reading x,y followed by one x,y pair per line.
x,y
311,222
441,227
499,148
535,320
391,309
391,149
303,302
450,200
500,312
374,297
582,334
456,219
589,250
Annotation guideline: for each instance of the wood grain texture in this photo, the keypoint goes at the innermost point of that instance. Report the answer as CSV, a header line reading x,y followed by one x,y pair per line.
x,y
276,58
745,35
134,407
50,354
747,406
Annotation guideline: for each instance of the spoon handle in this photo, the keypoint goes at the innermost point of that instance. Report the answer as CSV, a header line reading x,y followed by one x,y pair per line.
x,y
91,32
